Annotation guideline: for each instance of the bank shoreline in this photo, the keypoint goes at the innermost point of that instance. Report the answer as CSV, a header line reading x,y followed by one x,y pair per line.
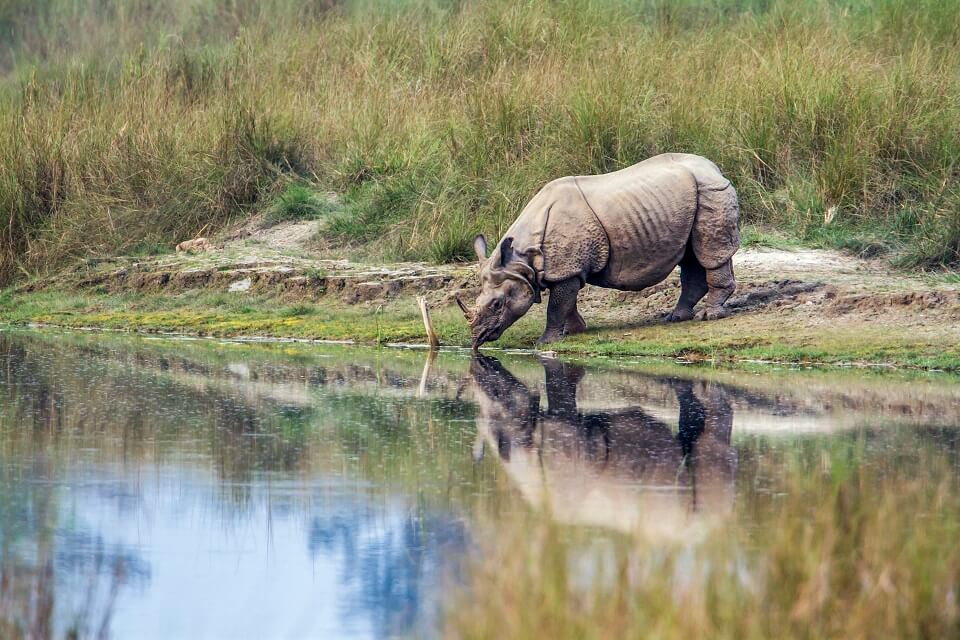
x,y
791,307
872,354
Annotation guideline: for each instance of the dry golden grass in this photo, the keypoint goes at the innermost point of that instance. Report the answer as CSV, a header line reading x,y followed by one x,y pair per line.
x,y
434,122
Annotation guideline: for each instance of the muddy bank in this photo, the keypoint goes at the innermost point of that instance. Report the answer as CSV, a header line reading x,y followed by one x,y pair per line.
x,y
821,287
790,306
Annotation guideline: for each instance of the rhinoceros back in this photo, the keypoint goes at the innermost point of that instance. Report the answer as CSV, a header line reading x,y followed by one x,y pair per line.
x,y
647,212
652,210
630,228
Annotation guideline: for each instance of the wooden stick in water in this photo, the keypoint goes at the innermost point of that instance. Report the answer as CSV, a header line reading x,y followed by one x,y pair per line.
x,y
425,376
428,325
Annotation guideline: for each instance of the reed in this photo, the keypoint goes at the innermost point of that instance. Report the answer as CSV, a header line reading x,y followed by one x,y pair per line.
x,y
131,124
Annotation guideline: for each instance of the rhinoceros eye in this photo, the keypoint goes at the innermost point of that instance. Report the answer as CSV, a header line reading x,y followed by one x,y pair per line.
x,y
496,304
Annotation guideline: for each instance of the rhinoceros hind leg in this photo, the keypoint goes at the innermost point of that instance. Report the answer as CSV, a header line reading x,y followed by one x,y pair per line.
x,y
693,286
562,316
721,285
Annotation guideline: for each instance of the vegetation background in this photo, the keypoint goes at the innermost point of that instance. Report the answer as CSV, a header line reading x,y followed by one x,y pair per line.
x,y
128,125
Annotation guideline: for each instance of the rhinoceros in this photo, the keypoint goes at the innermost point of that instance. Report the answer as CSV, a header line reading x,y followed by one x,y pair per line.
x,y
624,230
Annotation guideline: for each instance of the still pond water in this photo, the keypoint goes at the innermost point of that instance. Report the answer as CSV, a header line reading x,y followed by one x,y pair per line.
x,y
154,488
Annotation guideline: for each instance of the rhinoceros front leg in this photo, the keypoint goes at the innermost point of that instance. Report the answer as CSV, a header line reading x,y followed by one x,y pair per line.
x,y
721,285
562,316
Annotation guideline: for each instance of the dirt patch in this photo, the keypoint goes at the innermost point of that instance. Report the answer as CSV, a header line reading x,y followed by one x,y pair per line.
x,y
916,301
284,236
291,279
654,303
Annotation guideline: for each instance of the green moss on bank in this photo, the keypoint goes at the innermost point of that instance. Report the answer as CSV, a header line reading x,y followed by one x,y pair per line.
x,y
743,338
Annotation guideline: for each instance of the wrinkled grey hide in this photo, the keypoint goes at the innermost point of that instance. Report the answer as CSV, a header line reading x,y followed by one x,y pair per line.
x,y
624,230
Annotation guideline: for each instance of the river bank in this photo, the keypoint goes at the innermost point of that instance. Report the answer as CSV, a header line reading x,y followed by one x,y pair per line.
x,y
792,306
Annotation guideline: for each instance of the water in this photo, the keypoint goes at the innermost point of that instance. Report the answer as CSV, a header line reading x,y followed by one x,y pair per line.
x,y
174,488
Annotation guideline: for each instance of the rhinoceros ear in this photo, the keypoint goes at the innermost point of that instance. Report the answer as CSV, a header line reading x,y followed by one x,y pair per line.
x,y
480,247
506,251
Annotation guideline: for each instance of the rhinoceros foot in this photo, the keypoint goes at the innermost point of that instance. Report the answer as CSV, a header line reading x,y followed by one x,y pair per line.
x,y
713,313
575,324
679,314
551,335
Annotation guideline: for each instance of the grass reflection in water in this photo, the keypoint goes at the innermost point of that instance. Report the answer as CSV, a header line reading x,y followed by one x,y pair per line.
x,y
340,491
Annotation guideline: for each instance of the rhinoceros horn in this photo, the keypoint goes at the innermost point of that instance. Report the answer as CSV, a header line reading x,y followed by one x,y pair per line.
x,y
466,312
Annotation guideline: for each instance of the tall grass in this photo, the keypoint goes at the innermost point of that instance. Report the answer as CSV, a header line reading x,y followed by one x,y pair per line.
x,y
438,120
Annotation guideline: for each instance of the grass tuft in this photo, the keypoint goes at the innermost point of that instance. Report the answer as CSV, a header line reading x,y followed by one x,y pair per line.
x,y
298,202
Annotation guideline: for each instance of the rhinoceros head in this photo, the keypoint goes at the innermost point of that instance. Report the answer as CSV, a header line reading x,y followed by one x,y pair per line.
x,y
509,286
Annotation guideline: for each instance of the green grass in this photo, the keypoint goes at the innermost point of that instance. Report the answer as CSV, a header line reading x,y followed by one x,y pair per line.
x,y
298,202
754,236
146,249
742,339
433,121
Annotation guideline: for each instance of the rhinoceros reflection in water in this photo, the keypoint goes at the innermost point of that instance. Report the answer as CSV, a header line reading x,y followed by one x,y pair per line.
x,y
621,469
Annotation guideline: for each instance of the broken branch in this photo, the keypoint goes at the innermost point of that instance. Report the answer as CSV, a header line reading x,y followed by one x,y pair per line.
x,y
427,323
